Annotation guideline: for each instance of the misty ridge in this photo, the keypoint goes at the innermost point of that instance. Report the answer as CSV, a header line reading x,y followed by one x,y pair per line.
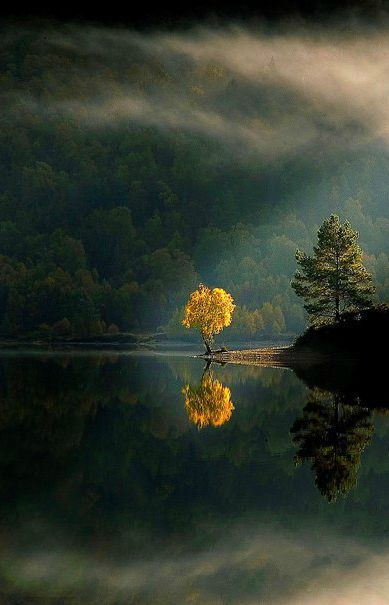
x,y
145,162
273,92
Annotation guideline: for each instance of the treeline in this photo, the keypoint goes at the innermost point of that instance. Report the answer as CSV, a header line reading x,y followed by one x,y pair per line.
x,y
106,227
266,321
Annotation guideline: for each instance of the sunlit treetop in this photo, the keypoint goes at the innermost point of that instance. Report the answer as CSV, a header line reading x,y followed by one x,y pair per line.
x,y
208,310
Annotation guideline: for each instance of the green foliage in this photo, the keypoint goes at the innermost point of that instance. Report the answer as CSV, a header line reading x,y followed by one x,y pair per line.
x,y
334,279
62,328
174,327
115,223
109,240
112,329
268,320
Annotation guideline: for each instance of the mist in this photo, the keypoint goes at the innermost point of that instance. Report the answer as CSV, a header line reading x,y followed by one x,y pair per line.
x,y
246,566
261,92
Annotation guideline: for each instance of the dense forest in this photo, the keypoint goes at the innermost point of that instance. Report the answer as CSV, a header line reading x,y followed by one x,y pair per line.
x,y
113,206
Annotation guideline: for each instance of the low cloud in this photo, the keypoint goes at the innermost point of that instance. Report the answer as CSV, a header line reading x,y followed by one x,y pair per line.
x,y
262,93
258,93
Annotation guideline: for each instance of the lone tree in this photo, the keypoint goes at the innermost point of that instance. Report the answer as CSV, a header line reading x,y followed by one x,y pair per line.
x,y
209,311
334,279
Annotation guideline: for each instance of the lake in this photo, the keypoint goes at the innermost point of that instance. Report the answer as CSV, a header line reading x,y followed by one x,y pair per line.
x,y
145,478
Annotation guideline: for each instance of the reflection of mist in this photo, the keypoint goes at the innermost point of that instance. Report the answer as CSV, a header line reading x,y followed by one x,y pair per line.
x,y
247,566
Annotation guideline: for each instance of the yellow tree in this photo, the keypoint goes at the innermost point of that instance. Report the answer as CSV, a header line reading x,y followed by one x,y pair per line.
x,y
208,310
209,403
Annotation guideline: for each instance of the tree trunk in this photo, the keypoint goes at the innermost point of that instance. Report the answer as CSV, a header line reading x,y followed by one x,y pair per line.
x,y
337,297
206,369
207,347
337,311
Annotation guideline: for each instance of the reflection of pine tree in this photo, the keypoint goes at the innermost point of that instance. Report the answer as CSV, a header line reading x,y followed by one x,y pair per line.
x,y
332,435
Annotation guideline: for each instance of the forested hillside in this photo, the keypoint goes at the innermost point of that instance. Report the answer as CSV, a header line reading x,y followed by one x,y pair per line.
x,y
113,206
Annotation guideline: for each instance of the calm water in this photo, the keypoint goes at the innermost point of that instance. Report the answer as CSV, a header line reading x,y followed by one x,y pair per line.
x,y
143,479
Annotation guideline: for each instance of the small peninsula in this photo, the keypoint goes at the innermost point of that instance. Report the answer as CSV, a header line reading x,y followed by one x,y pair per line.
x,y
353,338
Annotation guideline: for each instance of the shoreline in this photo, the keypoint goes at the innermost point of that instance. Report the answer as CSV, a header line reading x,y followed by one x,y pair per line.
x,y
284,356
130,342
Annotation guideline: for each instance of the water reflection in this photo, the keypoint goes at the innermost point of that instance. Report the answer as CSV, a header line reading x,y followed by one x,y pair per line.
x,y
337,425
209,402
332,434
109,493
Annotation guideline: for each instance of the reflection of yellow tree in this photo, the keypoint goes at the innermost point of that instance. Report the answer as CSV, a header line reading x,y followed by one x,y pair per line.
x,y
209,403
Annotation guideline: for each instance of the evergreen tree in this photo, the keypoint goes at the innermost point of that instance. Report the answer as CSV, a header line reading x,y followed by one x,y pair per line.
x,y
334,279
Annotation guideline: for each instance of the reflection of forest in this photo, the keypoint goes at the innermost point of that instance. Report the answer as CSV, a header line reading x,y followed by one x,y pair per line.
x,y
99,448
94,437
361,382
99,443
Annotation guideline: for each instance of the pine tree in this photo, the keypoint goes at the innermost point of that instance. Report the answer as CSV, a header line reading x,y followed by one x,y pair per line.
x,y
334,279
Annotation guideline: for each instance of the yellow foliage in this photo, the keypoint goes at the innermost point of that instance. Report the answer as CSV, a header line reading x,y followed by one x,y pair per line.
x,y
208,404
198,90
208,310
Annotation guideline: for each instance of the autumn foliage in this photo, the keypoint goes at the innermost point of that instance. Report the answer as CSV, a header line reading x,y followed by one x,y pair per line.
x,y
208,310
208,404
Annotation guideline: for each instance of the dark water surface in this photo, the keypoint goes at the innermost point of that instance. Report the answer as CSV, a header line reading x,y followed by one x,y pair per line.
x,y
141,479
